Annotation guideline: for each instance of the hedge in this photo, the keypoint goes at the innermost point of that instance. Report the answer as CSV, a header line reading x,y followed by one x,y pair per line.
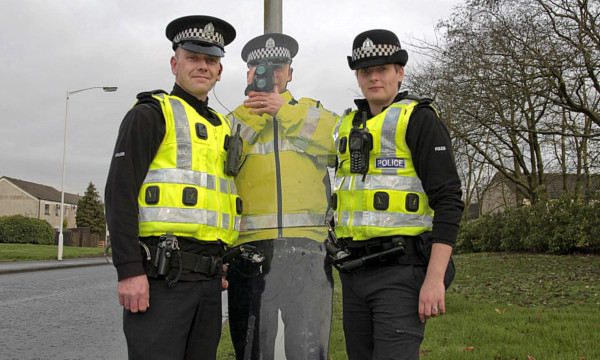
x,y
563,226
24,230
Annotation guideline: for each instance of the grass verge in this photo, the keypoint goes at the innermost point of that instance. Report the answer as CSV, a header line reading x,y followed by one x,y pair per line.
x,y
29,252
504,307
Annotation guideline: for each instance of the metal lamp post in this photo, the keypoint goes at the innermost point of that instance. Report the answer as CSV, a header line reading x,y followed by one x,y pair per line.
x,y
62,189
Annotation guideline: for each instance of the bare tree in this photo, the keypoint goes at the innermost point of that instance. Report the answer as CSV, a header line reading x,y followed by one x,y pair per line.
x,y
517,84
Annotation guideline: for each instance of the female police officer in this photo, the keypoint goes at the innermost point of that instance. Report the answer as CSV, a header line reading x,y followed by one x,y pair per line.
x,y
396,186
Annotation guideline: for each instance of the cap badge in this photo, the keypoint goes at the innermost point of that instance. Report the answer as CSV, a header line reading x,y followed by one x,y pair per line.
x,y
368,45
209,30
270,44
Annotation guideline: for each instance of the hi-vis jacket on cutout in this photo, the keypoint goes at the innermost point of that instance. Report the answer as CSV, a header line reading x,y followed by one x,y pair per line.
x,y
291,151
389,199
186,191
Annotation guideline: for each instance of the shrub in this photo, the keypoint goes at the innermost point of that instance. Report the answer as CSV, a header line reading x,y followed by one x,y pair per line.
x,y
560,226
22,230
513,226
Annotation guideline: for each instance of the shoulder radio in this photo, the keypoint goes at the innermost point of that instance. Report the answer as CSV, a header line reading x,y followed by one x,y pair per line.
x,y
360,143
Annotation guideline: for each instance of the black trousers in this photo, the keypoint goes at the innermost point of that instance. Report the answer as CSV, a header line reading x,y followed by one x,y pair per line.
x,y
183,322
293,283
381,318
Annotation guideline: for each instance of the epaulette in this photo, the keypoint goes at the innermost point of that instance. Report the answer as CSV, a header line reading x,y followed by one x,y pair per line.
x,y
148,94
411,97
425,101
145,98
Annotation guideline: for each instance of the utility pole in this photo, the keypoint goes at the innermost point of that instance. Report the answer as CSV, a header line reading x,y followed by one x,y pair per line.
x,y
273,17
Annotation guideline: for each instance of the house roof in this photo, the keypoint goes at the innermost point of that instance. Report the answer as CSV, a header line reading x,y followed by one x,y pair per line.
x,y
554,182
42,192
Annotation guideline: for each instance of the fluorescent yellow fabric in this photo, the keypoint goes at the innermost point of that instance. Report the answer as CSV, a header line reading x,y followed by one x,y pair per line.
x,y
283,180
195,197
391,178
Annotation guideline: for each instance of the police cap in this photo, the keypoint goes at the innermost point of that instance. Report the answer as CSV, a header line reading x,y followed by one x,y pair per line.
x,y
274,47
376,47
201,34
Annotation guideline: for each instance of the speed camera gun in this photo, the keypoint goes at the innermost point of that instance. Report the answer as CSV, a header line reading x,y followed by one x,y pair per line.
x,y
263,80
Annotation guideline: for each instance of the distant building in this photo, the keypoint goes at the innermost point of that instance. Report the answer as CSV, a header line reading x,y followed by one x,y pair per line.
x,y
20,197
500,193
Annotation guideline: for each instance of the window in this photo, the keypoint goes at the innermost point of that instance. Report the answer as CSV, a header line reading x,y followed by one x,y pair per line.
x,y
47,209
57,210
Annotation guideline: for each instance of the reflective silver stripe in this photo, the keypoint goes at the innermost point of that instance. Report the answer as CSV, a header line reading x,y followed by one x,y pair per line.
x,y
236,224
344,218
178,215
269,147
246,132
232,187
338,183
223,185
388,136
289,220
225,221
211,182
384,182
178,176
390,220
182,133
336,131
309,128
212,217
348,183
358,183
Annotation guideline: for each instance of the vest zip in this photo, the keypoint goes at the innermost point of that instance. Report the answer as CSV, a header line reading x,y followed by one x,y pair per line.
x,y
278,178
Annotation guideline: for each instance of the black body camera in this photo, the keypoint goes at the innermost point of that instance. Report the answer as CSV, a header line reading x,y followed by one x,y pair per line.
x,y
360,143
263,80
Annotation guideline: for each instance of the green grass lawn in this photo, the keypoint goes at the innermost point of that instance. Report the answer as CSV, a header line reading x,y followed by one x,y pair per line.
x,y
499,307
505,307
27,252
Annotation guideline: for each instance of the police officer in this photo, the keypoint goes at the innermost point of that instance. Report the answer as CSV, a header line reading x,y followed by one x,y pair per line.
x,y
396,187
170,207
284,184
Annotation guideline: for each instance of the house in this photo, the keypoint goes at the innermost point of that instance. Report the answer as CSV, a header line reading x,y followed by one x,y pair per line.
x,y
500,192
20,197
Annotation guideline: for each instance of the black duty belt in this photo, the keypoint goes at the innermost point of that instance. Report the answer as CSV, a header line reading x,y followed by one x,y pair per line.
x,y
208,265
371,248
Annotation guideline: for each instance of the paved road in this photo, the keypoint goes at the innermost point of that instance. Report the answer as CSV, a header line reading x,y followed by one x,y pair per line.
x,y
61,310
69,313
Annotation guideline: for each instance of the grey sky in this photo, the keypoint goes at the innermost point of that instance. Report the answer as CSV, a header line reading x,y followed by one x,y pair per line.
x,y
50,47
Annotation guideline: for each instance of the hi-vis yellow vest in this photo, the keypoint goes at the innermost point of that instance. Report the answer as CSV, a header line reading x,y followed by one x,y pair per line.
x,y
281,179
186,191
389,199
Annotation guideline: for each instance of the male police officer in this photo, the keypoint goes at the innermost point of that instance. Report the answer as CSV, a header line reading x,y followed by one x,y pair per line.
x,y
284,184
170,206
395,168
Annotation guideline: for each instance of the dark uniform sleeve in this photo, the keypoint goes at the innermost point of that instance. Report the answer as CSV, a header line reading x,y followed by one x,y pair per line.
x,y
433,158
139,138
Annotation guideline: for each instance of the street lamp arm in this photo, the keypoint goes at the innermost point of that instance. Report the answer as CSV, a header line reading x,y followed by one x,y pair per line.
x,y
105,88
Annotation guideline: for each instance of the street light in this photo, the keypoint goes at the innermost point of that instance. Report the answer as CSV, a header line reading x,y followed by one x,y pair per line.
x,y
62,189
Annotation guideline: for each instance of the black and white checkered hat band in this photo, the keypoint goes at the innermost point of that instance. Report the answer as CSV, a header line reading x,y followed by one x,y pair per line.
x,y
374,51
196,34
262,53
